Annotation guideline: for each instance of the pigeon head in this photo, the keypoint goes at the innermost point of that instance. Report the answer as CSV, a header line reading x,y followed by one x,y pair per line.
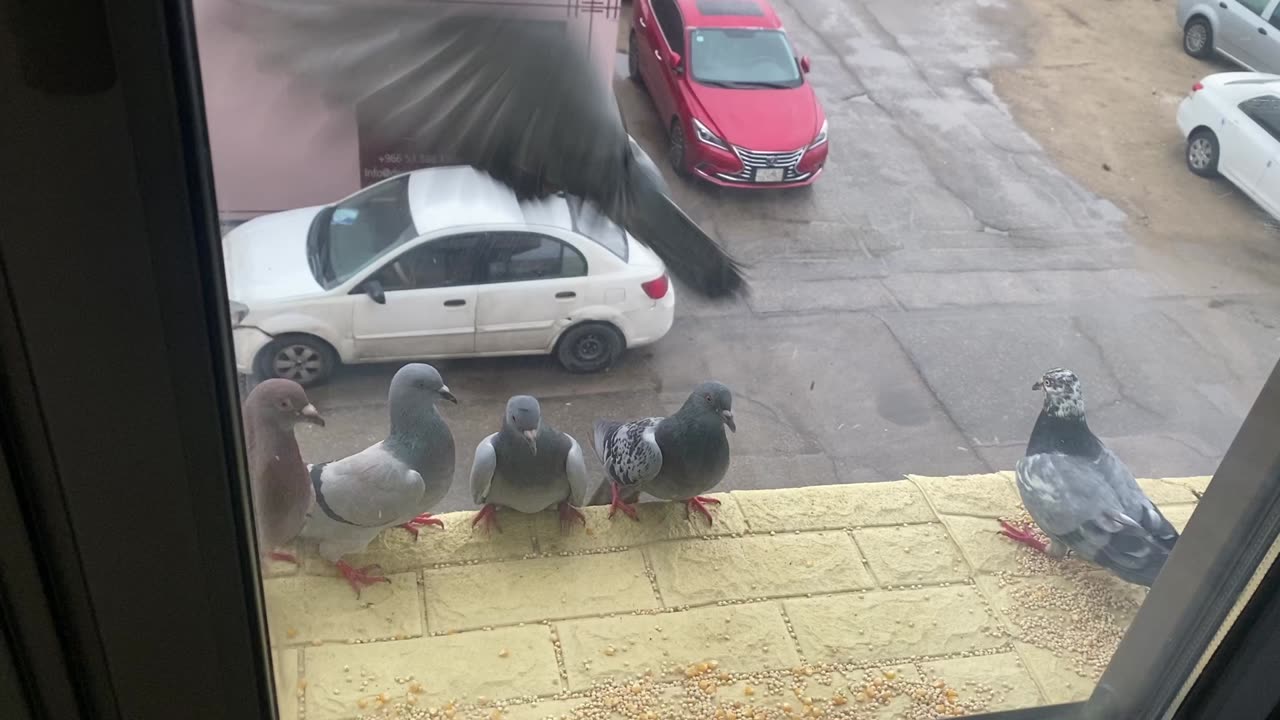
x,y
524,416
420,381
282,402
1062,396
714,397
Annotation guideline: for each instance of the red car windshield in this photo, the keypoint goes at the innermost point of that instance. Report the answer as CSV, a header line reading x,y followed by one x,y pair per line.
x,y
743,59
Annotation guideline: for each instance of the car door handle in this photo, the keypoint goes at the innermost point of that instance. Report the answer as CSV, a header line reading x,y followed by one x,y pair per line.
x,y
454,303
1262,31
1222,5
566,295
642,22
657,55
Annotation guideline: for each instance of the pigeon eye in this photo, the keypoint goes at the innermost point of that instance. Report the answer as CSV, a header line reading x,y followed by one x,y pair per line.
x,y
708,397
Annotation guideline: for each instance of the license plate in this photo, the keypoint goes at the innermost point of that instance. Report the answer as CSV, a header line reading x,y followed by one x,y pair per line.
x,y
769,174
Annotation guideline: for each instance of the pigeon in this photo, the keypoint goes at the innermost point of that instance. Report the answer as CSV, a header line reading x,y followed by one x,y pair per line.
x,y
391,483
498,93
1082,496
673,458
528,466
281,490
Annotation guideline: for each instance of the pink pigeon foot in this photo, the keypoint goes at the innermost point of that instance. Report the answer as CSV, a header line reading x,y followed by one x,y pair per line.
x,y
489,516
619,504
422,520
360,578
699,503
1022,535
568,515
283,556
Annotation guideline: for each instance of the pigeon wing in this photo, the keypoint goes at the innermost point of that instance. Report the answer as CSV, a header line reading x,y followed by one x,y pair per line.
x,y
575,467
1135,502
1074,504
369,489
629,451
502,94
482,470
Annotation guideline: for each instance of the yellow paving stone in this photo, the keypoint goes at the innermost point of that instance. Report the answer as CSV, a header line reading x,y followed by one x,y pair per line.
x,y
885,624
658,521
461,667
502,593
912,554
982,545
396,551
1054,674
990,495
1166,492
692,572
1003,672
285,666
543,710
306,608
850,682
741,638
1178,515
834,506
1199,483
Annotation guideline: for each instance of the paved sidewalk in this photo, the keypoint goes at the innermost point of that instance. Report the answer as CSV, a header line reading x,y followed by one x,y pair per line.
x,y
876,600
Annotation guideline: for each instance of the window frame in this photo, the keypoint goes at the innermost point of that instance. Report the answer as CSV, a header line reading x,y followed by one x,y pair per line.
x,y
1273,132
482,265
127,111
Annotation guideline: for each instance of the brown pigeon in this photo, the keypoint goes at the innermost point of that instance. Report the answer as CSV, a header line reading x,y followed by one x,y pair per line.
x,y
282,491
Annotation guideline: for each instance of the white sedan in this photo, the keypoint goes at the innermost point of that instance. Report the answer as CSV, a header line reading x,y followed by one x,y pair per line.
x,y
439,263
1232,125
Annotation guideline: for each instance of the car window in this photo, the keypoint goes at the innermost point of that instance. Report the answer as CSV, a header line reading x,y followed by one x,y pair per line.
x,y
671,22
1257,6
361,228
517,256
1275,17
1264,110
444,262
743,58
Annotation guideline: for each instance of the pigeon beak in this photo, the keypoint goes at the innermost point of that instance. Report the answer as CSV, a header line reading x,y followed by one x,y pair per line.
x,y
444,393
727,416
1038,386
311,415
532,437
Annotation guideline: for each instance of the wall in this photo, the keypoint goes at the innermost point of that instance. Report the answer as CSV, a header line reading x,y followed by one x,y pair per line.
x,y
274,148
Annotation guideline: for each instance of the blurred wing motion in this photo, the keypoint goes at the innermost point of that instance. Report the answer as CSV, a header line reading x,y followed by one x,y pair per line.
x,y
501,94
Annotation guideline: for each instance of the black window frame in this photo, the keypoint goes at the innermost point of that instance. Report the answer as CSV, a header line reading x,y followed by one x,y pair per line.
x,y
482,271
81,507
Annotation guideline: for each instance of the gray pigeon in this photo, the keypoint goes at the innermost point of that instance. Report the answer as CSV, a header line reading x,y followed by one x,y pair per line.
x,y
278,477
528,466
518,100
1082,496
673,458
392,483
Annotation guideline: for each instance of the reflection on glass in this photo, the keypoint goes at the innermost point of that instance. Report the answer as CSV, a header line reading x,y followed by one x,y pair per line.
x,y
552,484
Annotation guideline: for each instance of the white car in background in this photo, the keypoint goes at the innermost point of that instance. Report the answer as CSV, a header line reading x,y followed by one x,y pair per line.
x,y
1232,125
439,263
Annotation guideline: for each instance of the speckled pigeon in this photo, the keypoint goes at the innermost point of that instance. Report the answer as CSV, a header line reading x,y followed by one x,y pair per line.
x,y
528,466
281,490
673,458
1082,496
391,483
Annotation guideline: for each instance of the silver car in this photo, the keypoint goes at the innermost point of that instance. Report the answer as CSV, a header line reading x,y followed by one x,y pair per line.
x,y
1244,31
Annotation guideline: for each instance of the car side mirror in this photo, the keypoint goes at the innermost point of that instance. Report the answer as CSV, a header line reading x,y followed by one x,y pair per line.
x,y
675,60
374,290
804,63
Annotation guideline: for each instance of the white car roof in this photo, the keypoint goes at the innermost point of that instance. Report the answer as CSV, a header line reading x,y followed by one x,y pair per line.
x,y
444,197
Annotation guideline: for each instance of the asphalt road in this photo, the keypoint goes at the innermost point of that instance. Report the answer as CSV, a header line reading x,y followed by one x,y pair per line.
x,y
904,305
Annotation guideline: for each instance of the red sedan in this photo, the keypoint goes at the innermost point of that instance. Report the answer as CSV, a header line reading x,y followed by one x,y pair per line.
x,y
731,90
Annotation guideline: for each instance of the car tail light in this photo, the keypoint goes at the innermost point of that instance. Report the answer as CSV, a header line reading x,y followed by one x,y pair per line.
x,y
656,288
1197,86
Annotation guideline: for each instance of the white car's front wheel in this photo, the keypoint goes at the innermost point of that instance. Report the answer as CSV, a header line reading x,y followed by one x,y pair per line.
x,y
1202,153
305,359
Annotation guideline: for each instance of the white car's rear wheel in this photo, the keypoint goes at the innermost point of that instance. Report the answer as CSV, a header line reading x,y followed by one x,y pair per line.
x,y
1202,153
305,359
589,347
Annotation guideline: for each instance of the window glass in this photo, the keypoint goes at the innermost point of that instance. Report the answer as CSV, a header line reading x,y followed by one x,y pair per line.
x,y
1256,6
516,256
443,262
956,210
743,59
1264,110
